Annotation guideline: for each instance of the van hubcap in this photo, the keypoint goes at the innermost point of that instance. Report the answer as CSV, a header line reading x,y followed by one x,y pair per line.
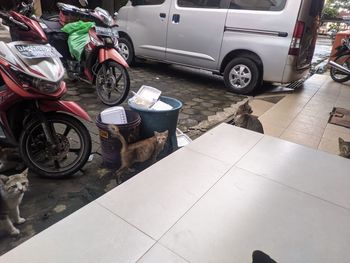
x,y
124,50
240,76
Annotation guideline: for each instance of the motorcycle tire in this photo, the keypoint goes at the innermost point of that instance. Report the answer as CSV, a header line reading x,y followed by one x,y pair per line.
x,y
33,138
103,80
335,73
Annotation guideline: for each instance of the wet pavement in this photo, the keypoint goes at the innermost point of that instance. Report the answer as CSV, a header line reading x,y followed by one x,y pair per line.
x,y
205,101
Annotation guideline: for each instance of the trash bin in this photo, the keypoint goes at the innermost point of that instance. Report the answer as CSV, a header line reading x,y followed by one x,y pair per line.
x,y
160,121
111,146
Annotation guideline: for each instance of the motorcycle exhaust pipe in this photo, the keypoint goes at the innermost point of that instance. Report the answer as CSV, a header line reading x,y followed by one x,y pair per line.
x,y
339,67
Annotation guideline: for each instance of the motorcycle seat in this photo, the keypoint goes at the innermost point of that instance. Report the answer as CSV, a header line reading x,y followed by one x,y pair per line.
x,y
52,26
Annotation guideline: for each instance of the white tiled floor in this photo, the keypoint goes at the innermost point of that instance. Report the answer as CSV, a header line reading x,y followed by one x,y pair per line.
x,y
302,117
229,193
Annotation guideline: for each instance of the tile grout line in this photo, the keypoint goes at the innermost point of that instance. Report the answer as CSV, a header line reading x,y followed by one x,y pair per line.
x,y
157,240
173,252
295,189
324,131
125,221
201,197
293,119
148,250
309,100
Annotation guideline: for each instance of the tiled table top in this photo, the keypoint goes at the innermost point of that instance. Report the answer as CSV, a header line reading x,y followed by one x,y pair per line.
x,y
225,195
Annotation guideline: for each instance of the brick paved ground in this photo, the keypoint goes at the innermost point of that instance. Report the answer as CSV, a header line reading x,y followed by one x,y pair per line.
x,y
48,201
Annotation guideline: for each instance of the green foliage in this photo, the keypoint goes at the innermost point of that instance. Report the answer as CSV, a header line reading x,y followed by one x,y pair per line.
x,y
330,12
345,4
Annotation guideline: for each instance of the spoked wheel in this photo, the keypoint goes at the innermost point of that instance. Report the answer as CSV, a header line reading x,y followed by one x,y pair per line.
x,y
338,75
69,152
112,83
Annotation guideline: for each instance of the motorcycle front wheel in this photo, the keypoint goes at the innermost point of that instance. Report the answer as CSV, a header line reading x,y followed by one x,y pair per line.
x,y
112,83
338,76
63,158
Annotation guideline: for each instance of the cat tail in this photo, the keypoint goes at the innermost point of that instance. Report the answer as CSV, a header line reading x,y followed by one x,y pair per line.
x,y
116,132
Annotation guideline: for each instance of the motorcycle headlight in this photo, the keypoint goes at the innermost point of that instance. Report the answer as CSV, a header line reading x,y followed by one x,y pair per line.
x,y
41,85
46,86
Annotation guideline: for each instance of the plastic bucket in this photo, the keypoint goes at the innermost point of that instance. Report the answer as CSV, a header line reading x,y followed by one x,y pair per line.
x,y
160,121
111,146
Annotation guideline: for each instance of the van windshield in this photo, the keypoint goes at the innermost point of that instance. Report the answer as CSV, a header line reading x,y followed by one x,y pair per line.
x,y
263,5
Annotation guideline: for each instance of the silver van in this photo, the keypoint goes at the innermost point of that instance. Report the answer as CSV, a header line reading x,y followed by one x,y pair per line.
x,y
246,41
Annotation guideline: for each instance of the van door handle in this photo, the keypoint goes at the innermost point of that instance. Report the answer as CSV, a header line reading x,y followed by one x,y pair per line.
x,y
176,18
162,15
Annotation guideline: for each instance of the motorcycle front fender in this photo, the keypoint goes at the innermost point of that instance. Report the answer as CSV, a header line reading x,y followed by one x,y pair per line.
x,y
64,106
111,54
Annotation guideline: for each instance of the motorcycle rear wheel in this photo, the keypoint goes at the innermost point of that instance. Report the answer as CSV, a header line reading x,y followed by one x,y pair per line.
x,y
338,76
69,155
112,83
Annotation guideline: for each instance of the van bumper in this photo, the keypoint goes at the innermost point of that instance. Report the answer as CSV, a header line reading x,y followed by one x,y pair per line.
x,y
291,73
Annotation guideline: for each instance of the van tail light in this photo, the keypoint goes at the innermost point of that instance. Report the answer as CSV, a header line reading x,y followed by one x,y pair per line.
x,y
296,40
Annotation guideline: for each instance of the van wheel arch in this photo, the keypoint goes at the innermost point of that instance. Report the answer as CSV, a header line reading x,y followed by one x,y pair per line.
x,y
123,35
243,53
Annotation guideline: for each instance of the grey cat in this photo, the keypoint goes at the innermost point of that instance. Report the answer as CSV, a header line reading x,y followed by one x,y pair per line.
x,y
10,159
12,189
244,119
344,148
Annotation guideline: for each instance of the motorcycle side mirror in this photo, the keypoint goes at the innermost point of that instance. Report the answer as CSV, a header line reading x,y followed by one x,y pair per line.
x,y
83,3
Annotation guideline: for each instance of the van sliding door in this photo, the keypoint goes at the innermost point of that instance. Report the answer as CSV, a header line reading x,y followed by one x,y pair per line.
x,y
148,27
195,32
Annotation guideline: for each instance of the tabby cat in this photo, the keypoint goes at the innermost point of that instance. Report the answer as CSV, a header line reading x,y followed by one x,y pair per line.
x,y
244,119
12,189
344,148
141,151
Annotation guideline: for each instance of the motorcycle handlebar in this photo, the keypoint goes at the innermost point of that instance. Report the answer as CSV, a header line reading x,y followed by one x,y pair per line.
x,y
19,24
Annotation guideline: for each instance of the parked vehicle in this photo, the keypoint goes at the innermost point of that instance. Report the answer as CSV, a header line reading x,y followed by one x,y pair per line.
x,y
101,64
52,142
332,33
340,67
245,41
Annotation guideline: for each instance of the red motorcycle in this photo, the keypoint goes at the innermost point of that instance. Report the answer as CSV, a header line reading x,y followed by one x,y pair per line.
x,y
101,64
51,141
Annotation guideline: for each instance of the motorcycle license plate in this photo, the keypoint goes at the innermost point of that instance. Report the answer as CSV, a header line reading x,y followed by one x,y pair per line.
x,y
37,51
106,31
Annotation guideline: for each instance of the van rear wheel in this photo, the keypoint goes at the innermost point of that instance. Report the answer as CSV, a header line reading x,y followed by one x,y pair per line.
x,y
241,75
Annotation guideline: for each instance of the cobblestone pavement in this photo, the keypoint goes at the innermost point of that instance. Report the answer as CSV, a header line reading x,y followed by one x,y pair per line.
x,y
201,93
48,201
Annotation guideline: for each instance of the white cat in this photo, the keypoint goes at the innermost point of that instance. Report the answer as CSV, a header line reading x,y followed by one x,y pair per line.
x,y
12,189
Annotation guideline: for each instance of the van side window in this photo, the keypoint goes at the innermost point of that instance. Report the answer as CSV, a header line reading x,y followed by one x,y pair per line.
x,y
150,2
199,3
262,5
